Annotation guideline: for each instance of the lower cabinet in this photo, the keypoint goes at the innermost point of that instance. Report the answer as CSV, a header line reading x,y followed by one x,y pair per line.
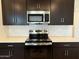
x,y
18,51
65,51
6,51
56,51
11,51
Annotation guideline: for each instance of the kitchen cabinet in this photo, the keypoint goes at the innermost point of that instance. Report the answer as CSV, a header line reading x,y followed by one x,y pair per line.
x,y
11,50
8,13
18,51
62,12
14,12
43,5
20,12
65,51
38,52
6,51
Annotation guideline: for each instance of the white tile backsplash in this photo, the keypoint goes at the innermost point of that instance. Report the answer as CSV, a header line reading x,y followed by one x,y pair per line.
x,y
61,30
57,30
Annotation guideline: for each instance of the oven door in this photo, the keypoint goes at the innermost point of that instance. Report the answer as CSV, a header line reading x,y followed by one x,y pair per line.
x,y
35,18
38,52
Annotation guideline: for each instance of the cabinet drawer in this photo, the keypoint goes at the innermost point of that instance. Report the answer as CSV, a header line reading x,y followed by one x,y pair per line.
x,y
71,44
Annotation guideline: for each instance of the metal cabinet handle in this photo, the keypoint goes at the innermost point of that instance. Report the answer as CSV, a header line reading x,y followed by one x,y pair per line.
x,y
10,45
13,20
62,19
67,52
39,5
16,20
66,45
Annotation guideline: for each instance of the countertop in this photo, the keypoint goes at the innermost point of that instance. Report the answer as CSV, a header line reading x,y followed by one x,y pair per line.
x,y
21,39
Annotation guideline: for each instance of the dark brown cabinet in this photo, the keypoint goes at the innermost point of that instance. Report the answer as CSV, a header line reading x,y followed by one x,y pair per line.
x,y
38,5
32,4
6,51
60,50
11,50
14,12
20,12
8,13
65,51
18,51
62,12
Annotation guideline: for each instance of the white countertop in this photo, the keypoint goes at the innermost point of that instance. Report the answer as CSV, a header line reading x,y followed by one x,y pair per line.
x,y
21,39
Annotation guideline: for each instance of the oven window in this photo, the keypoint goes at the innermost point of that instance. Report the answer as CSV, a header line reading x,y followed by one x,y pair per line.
x,y
35,18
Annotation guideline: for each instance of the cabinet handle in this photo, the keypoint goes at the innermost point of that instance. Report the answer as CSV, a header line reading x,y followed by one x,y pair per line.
x,y
67,45
39,5
16,20
13,20
11,53
10,45
62,19
65,52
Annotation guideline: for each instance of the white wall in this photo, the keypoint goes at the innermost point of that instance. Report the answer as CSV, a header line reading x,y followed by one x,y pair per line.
x,y
53,30
3,29
76,19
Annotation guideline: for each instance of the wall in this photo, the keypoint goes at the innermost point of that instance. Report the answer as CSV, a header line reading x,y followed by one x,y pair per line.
x,y
76,19
3,29
53,30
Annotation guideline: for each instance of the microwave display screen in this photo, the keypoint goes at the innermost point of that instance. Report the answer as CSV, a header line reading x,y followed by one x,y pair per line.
x,y
35,18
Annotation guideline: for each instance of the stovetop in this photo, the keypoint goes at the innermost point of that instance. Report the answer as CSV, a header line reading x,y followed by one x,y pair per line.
x,y
36,42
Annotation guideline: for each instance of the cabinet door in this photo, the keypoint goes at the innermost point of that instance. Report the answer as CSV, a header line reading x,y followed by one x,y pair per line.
x,y
62,12
32,5
6,51
18,51
59,53
14,12
44,5
38,5
8,13
20,12
72,53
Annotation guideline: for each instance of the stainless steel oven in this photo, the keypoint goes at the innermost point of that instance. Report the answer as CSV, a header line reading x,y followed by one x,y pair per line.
x,y
38,17
38,52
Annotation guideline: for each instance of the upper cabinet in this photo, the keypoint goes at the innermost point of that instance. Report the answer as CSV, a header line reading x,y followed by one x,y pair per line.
x,y
14,12
38,5
62,12
20,12
8,13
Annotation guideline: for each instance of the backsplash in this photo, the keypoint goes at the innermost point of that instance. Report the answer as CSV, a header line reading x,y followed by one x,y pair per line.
x,y
56,30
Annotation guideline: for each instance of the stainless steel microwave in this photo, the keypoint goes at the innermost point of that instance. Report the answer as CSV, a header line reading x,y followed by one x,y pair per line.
x,y
34,17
